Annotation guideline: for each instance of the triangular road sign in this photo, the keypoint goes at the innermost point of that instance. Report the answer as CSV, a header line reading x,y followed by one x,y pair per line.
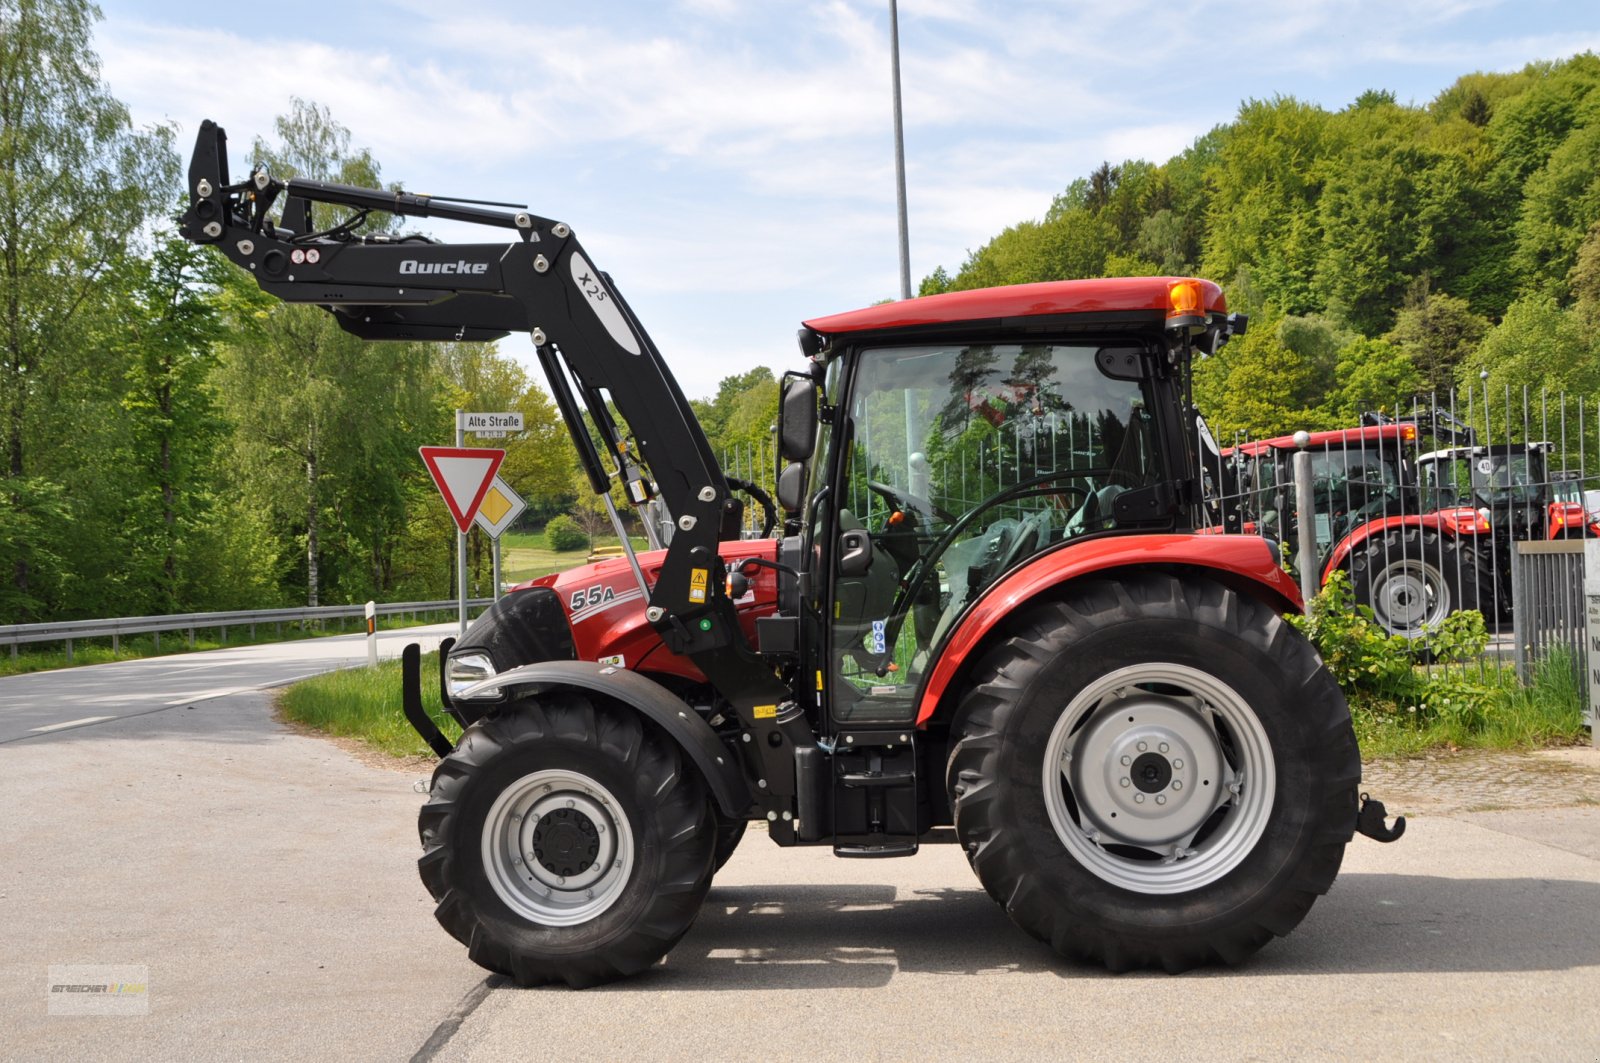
x,y
463,476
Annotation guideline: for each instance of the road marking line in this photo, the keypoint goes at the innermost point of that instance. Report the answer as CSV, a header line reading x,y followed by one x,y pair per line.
x,y
70,723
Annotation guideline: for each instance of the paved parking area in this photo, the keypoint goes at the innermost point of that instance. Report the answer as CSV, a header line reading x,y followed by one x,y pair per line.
x,y
267,880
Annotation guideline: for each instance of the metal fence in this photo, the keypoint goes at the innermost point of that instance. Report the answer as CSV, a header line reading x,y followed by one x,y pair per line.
x,y
1429,503
1435,503
1548,611
69,631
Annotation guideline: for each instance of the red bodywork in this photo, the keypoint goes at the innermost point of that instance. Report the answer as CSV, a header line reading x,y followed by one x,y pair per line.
x,y
1456,522
1108,295
1242,562
611,621
1569,519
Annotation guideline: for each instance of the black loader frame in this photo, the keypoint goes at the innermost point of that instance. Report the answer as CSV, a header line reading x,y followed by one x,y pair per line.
x,y
589,344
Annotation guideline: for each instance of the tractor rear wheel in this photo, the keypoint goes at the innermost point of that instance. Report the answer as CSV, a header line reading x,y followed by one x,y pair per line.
x,y
1412,580
565,842
1154,772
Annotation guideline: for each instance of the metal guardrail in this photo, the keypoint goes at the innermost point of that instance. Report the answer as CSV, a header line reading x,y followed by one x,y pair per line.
x,y
67,631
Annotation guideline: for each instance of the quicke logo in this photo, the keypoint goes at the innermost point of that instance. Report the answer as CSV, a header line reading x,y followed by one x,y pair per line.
x,y
411,265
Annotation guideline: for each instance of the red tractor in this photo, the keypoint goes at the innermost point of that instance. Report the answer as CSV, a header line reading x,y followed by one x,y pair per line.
x,y
1413,562
1515,492
1143,762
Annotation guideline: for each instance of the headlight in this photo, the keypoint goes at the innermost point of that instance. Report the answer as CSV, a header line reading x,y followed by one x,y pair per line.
x,y
465,670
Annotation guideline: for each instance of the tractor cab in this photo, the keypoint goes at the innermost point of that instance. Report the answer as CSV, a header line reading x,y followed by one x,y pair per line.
x,y
954,464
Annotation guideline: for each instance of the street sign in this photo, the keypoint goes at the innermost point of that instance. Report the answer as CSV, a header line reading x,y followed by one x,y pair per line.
x,y
463,476
500,508
497,424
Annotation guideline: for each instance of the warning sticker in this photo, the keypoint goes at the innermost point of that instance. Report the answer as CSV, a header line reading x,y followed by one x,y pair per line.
x,y
697,583
764,712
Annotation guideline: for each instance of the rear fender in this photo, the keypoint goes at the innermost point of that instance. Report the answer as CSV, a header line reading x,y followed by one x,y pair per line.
x,y
694,736
1245,563
1449,523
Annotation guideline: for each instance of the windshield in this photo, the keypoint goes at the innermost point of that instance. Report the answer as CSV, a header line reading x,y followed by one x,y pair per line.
x,y
1500,478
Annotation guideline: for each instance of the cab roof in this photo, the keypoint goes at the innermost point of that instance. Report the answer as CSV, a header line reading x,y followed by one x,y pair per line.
x,y
1048,298
1341,439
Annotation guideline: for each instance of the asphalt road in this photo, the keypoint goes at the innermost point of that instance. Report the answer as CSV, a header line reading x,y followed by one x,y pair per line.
x,y
267,880
41,702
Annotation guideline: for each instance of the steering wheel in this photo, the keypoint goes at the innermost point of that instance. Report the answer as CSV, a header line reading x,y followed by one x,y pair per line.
x,y
769,512
921,507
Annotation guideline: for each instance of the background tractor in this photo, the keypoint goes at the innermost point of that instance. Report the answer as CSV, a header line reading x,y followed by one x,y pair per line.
x,y
1512,487
1413,557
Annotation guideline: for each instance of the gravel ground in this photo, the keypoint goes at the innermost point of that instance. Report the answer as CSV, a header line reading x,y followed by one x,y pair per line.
x,y
1486,781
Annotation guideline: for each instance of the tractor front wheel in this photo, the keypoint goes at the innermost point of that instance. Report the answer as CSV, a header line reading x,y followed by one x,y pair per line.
x,y
565,842
1154,772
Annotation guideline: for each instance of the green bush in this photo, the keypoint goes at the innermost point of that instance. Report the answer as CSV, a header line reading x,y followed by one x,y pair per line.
x,y
1378,671
563,533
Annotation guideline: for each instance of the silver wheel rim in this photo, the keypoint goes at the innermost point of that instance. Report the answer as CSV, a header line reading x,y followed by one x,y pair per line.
x,y
1408,596
557,848
1159,778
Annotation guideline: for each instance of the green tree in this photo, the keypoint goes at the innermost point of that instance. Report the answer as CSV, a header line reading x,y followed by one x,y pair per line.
x,y
1437,331
1560,202
172,325
75,181
1538,345
332,455
1262,216
1373,375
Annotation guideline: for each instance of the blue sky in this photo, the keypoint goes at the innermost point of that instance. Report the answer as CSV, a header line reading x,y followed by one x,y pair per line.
x,y
731,163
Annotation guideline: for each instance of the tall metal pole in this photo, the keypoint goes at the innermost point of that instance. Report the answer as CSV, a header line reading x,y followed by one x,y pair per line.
x,y
461,540
899,152
916,472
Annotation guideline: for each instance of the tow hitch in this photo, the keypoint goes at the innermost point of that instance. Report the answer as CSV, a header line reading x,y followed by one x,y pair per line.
x,y
1370,821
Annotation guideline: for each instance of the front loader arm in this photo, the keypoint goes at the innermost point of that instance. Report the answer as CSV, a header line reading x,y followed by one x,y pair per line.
x,y
383,286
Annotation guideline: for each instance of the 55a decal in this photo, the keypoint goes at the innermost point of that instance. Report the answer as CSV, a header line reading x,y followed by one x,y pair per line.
x,y
595,595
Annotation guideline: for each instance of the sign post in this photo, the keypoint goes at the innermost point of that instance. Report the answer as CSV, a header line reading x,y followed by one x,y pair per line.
x,y
372,634
463,475
499,510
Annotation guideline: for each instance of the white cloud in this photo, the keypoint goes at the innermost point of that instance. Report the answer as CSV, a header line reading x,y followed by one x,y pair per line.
x,y
731,162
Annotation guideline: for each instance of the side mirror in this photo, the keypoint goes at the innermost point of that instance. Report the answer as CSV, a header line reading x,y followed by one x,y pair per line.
x,y
855,552
797,418
791,487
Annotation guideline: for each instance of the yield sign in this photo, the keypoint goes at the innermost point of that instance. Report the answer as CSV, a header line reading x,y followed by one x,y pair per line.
x,y
463,475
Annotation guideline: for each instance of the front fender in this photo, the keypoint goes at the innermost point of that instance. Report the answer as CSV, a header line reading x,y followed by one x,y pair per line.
x,y
655,702
1245,563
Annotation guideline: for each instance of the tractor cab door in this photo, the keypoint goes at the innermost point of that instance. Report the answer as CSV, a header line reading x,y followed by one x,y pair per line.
x,y
962,461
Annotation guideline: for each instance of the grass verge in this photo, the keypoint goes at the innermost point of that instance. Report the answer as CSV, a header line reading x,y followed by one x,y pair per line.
x,y
1497,712
46,656
364,703
524,555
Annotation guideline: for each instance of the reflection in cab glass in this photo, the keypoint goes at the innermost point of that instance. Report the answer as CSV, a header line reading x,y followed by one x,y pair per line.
x,y
964,462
